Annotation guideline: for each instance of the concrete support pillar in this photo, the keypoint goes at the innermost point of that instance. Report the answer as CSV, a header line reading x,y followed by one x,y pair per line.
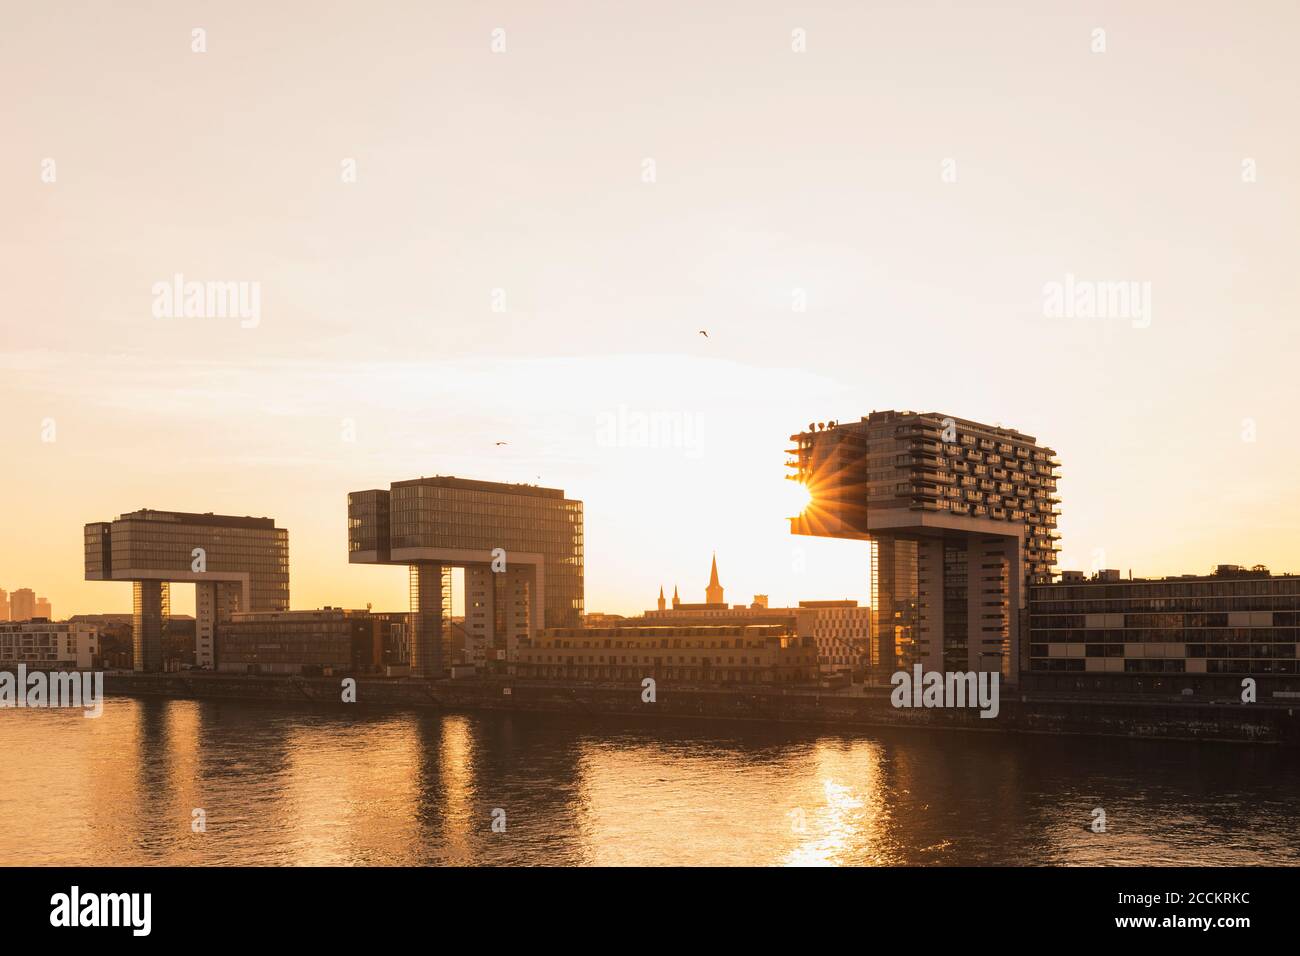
x,y
147,625
214,602
426,620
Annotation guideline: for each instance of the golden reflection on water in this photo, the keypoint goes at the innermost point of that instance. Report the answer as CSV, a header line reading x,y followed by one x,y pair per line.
x,y
290,787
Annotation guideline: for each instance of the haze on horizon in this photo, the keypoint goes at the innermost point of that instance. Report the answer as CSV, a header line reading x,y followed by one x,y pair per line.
x,y
501,271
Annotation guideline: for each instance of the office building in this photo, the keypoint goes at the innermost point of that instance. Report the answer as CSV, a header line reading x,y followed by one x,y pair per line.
x,y
960,517
4,605
43,609
47,645
324,641
235,563
1196,633
707,655
22,605
521,548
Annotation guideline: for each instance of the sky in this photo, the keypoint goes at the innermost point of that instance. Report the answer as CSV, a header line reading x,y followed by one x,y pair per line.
x,y
509,222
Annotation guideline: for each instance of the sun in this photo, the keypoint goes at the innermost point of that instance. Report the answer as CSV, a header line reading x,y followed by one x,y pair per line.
x,y
796,498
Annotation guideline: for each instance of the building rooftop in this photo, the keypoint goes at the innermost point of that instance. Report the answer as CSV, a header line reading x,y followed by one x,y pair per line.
x,y
471,484
1221,572
886,415
189,517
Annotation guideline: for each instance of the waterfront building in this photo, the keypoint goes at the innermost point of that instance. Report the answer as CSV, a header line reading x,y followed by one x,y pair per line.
x,y
235,563
521,548
1196,633
961,519
325,641
840,630
48,645
718,655
22,605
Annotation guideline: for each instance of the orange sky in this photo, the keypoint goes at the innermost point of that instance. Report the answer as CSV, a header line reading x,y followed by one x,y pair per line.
x,y
780,178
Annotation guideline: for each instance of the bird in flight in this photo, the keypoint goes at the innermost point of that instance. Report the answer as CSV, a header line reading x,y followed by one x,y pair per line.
x,y
703,333
503,443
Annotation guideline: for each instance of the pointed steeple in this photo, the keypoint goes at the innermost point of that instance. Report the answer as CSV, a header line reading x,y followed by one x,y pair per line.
x,y
713,593
661,597
676,599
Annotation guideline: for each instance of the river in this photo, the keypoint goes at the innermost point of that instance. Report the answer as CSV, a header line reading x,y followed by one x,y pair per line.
x,y
281,786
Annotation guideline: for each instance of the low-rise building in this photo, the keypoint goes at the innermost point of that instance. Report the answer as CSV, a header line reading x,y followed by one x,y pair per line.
x,y
709,655
840,630
1196,633
48,645
328,640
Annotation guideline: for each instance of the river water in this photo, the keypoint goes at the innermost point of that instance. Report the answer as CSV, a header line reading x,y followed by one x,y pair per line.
x,y
283,786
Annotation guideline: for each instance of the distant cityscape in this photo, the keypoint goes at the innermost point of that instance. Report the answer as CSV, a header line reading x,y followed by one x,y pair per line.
x,y
958,521
23,605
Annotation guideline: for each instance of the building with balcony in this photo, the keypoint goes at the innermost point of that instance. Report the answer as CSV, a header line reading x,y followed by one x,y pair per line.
x,y
714,655
521,548
235,563
48,645
1195,633
961,518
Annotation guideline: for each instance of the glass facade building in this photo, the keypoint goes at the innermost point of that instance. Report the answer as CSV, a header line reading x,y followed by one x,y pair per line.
x,y
236,563
1198,633
521,547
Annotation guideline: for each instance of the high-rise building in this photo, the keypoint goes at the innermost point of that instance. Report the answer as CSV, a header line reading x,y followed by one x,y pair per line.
x,y
4,605
235,563
960,517
521,548
43,609
22,605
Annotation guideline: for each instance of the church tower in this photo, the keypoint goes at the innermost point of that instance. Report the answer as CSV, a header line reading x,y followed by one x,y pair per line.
x,y
713,593
676,599
662,602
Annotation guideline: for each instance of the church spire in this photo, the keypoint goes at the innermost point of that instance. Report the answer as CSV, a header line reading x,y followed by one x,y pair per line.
x,y
713,593
676,599
661,597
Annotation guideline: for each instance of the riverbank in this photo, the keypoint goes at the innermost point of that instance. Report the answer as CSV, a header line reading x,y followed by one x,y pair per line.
x,y
1261,723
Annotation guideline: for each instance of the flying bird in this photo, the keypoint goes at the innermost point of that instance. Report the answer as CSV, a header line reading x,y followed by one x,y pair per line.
x,y
703,333
503,443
